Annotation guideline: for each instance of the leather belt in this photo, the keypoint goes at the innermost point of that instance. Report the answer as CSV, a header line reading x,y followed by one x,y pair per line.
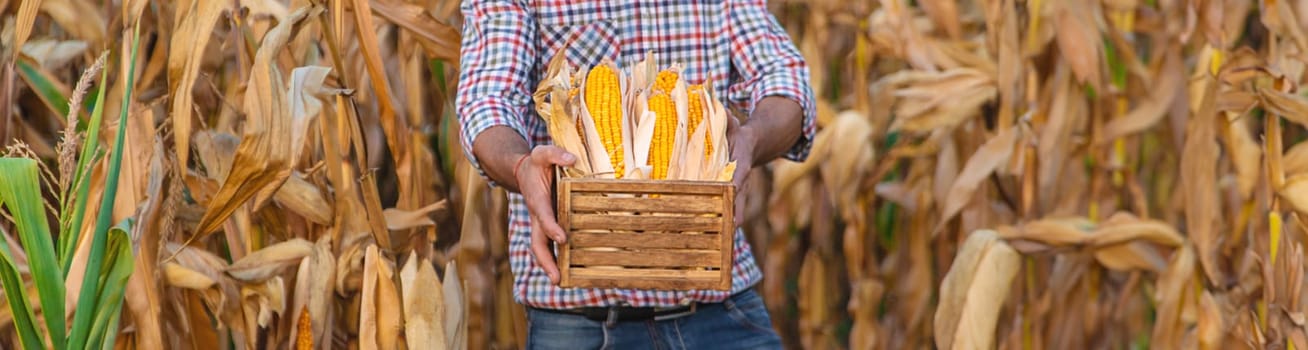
x,y
626,314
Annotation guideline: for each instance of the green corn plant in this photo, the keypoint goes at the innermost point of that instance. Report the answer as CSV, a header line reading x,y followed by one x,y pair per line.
x,y
110,263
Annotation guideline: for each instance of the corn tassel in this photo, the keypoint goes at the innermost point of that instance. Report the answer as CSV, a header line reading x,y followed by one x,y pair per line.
x,y
604,102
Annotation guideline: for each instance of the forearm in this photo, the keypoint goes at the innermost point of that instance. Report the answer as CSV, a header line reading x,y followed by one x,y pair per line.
x,y
775,125
498,149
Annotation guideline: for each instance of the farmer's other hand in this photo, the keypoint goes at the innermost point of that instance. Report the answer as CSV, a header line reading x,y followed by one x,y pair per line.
x,y
535,176
741,140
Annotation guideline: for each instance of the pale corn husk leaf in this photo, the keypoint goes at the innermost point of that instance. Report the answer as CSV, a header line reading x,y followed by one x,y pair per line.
x,y
933,100
993,154
973,291
53,54
456,328
1212,326
553,105
1295,192
398,219
368,312
716,117
390,312
261,302
270,261
424,305
313,292
182,277
850,157
1295,160
643,137
303,198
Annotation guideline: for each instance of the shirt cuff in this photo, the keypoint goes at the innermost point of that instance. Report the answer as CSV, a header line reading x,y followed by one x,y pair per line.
x,y
480,119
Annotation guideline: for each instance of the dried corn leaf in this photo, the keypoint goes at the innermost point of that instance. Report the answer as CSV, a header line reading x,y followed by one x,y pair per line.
x,y
1295,192
397,219
1290,106
186,51
1168,80
973,291
265,155
993,154
1199,164
1079,41
939,100
456,327
270,261
80,18
1174,295
439,40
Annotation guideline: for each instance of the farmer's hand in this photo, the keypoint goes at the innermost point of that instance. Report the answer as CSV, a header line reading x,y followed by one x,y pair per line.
x,y
740,142
535,176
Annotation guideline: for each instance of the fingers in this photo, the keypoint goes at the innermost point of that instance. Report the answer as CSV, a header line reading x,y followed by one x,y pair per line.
x,y
552,155
540,249
741,191
539,205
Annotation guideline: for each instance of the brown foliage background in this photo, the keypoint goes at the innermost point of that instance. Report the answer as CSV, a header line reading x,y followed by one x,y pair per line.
x,y
989,173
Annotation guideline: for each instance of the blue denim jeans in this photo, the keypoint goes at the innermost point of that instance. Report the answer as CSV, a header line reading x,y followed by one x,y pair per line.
x,y
740,322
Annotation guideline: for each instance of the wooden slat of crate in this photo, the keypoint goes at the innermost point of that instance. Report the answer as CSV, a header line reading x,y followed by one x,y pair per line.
x,y
644,240
662,205
647,258
647,279
662,257
648,186
644,222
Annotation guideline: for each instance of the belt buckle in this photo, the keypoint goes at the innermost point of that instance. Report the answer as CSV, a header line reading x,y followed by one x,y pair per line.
x,y
690,310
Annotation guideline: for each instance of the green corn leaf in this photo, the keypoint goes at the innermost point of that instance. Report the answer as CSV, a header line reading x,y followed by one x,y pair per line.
x,y
24,320
71,226
20,187
90,293
44,87
113,283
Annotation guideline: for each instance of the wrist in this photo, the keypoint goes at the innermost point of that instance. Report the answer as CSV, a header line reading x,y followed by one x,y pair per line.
x,y
747,139
517,165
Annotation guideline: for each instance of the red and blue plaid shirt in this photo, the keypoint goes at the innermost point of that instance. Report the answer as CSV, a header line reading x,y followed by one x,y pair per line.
x,y
507,45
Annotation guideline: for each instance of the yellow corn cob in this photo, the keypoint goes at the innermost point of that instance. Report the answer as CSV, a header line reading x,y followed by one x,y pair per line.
x,y
666,81
665,127
697,115
604,102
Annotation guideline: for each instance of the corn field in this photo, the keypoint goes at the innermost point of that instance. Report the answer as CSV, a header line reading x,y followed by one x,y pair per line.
x,y
1016,174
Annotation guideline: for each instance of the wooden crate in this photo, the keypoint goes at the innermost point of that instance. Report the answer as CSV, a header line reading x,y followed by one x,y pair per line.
x,y
642,234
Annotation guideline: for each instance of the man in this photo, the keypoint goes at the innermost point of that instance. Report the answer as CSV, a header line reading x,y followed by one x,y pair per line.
x,y
507,45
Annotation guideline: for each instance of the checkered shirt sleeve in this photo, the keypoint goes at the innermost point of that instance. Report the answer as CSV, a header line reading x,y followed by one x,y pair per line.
x,y
498,56
770,65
